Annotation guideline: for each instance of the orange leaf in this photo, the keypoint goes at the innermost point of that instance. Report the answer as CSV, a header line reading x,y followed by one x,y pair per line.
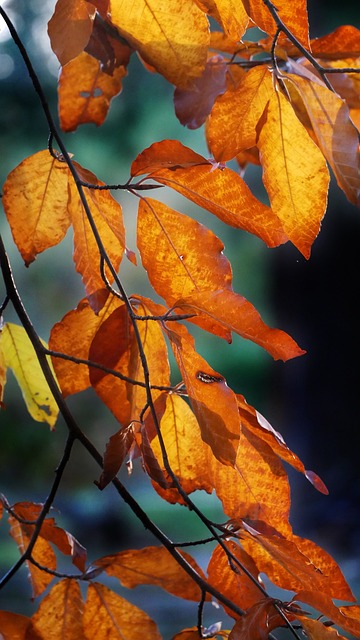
x,y
155,566
294,173
155,34
70,28
344,42
73,336
60,613
336,135
116,451
180,255
235,313
85,92
230,14
213,403
256,423
107,217
169,154
14,626
231,580
293,15
295,563
193,105
258,622
107,615
317,630
346,617
35,203
184,447
233,119
219,190
42,553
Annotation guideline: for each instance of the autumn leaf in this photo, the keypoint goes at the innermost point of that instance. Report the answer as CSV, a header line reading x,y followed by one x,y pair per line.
x,y
293,15
258,621
235,115
343,42
18,354
159,36
106,214
153,565
73,336
107,615
70,28
13,625
317,630
346,617
193,105
230,578
35,203
85,91
336,135
219,190
42,553
294,173
212,401
60,613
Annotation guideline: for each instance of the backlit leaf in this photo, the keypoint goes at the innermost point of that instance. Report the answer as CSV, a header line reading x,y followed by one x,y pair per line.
x,y
219,190
106,214
258,622
344,42
60,613
346,617
19,355
13,626
294,173
155,566
233,119
42,553
172,35
231,580
235,313
293,15
70,28
107,616
85,92
212,401
35,203
335,133
317,630
169,154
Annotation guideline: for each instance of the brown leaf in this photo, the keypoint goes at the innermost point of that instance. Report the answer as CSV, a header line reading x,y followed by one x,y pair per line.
x,y
105,46
258,622
13,626
117,448
193,105
70,28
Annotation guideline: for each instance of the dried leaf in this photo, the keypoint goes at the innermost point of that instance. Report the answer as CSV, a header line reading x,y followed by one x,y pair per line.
x,y
117,448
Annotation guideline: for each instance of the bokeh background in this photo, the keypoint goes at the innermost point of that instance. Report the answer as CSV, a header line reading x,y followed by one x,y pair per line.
x,y
312,401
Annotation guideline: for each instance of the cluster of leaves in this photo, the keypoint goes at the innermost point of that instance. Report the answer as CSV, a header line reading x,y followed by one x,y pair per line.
x,y
283,102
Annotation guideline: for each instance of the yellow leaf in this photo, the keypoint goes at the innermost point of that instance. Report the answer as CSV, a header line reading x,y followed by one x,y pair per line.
x,y
85,91
293,14
59,616
170,35
294,173
230,14
70,28
107,616
19,355
335,133
35,202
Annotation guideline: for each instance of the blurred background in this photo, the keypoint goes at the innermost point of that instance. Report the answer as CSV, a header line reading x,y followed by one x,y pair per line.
x,y
312,400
